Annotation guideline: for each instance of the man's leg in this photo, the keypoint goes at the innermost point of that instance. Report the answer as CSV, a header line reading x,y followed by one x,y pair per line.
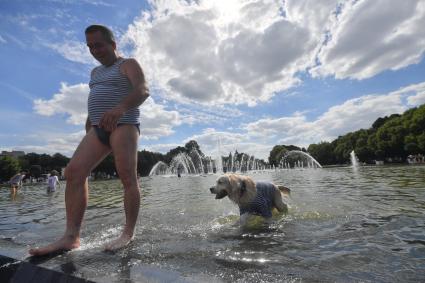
x,y
124,147
87,155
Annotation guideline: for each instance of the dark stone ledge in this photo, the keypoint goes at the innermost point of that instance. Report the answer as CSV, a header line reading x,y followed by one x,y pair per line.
x,y
16,271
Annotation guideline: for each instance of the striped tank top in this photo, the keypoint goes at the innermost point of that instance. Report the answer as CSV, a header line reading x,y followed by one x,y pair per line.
x,y
108,87
262,204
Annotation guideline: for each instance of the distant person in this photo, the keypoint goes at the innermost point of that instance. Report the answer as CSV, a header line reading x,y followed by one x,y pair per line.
x,y
52,181
16,182
117,89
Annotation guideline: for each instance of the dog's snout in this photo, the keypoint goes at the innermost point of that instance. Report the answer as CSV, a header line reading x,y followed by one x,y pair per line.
x,y
212,190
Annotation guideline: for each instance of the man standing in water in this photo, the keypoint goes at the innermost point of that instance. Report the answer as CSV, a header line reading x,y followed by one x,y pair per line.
x,y
117,89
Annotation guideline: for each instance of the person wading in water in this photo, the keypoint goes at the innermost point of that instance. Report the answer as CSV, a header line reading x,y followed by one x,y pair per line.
x,y
117,89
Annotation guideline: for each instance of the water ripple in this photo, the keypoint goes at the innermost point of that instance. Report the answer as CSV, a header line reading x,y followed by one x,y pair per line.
x,y
342,226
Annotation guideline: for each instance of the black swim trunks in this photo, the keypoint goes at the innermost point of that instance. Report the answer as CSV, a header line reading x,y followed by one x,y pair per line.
x,y
103,135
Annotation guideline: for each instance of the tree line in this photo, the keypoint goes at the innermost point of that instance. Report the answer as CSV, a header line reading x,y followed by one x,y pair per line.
x,y
36,165
391,138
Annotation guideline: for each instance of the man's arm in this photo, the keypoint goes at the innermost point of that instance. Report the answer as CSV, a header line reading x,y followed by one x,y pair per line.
x,y
13,177
88,125
136,97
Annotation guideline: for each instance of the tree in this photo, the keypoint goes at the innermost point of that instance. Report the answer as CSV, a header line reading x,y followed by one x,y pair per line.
x,y
276,154
191,145
393,136
58,161
278,151
390,138
45,162
35,171
412,148
23,162
169,155
107,166
421,141
32,158
380,154
146,160
322,152
9,166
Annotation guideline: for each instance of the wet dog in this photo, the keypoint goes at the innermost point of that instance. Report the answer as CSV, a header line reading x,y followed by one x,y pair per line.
x,y
253,198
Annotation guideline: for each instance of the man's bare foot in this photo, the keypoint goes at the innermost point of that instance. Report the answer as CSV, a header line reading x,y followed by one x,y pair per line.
x,y
65,243
119,243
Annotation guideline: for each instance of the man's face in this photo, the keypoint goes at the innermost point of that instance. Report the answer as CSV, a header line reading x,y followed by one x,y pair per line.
x,y
102,50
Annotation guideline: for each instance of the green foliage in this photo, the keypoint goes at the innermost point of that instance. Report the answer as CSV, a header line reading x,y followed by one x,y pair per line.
x,y
58,161
35,170
9,166
322,152
412,148
107,166
421,141
394,136
169,155
191,145
45,161
278,152
146,160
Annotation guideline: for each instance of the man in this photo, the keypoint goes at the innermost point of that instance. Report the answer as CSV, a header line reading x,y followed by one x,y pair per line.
x,y
117,89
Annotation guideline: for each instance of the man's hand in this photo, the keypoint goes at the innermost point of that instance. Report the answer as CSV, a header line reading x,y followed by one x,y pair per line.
x,y
110,119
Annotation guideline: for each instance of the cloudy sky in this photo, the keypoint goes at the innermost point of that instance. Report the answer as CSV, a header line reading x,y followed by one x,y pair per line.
x,y
243,75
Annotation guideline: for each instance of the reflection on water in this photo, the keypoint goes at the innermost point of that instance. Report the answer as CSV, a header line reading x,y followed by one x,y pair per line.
x,y
343,225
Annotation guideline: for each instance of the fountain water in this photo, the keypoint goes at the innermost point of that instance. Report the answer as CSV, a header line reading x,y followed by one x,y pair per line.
x,y
160,168
195,164
298,159
354,159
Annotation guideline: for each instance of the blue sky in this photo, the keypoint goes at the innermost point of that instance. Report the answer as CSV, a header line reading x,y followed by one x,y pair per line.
x,y
245,75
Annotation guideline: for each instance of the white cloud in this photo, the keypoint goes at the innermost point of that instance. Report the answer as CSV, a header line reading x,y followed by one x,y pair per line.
x,y
220,143
369,37
71,100
245,52
258,138
275,127
156,122
358,113
418,96
161,147
74,51
352,115
51,143
2,40
219,52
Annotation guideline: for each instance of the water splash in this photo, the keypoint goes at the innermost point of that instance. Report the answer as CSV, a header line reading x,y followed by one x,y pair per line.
x,y
196,164
354,160
298,159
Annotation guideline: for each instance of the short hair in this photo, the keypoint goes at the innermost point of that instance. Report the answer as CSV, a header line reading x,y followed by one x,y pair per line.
x,y
106,32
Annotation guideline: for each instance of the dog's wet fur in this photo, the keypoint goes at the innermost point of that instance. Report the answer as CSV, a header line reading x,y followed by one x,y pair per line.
x,y
242,190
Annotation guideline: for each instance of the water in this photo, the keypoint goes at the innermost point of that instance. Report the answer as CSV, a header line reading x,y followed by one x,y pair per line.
x,y
344,225
354,160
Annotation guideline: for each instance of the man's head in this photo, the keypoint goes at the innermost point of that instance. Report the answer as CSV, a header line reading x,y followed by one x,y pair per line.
x,y
101,42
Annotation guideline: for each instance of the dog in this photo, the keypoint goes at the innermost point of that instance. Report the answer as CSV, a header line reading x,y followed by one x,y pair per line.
x,y
252,198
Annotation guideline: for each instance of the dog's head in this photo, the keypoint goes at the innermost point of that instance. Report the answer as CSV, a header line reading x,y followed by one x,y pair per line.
x,y
239,189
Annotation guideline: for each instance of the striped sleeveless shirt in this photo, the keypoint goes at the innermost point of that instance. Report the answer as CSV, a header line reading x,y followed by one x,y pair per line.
x,y
108,87
262,204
